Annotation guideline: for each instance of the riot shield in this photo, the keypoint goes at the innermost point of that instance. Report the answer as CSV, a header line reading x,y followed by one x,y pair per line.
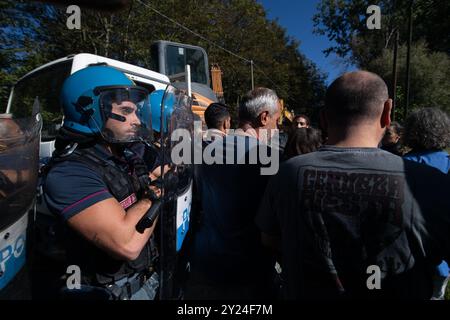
x,y
176,144
19,162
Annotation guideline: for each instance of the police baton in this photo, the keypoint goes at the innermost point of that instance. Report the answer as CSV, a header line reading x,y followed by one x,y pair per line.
x,y
149,218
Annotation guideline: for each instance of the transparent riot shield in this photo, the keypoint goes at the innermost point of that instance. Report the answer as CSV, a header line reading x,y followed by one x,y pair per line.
x,y
176,146
19,162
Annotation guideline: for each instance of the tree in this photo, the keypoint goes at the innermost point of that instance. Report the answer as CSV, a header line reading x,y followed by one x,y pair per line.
x,y
344,23
240,26
430,76
20,43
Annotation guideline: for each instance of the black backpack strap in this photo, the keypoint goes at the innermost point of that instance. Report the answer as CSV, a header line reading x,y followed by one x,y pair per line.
x,y
121,184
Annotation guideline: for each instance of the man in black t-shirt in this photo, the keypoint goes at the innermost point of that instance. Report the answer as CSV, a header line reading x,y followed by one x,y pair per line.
x,y
355,221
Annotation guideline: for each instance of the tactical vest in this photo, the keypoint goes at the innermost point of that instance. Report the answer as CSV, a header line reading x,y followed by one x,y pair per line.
x,y
97,267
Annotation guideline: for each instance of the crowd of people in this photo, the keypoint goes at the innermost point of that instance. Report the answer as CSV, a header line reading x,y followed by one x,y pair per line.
x,y
346,197
360,193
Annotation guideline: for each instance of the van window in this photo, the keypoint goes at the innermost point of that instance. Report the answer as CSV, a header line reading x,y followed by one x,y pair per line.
x,y
45,84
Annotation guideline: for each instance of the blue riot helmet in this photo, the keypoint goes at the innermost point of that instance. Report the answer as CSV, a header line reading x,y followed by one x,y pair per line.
x,y
156,100
101,100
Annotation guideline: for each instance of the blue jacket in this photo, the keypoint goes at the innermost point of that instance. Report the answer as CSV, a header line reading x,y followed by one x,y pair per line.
x,y
441,161
437,159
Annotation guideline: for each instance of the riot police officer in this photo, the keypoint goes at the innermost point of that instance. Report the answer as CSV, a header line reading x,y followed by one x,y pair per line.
x,y
101,188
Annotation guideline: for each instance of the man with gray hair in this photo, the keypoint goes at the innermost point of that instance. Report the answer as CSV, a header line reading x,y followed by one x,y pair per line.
x,y
259,112
355,221
228,260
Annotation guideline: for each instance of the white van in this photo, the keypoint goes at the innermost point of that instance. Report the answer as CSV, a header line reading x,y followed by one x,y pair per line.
x,y
46,81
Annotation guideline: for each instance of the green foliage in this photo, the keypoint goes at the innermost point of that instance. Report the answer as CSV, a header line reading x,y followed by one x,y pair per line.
x,y
344,23
430,76
240,26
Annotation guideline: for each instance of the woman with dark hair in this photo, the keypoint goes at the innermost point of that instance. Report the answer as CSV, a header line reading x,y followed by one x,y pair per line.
x,y
427,133
392,139
301,141
301,121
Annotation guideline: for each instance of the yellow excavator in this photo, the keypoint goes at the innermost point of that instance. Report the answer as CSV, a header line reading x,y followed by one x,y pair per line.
x,y
285,114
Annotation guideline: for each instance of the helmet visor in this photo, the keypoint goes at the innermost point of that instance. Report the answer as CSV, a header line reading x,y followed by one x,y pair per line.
x,y
126,114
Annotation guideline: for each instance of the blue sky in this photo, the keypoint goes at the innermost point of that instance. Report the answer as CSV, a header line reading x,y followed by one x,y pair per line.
x,y
296,17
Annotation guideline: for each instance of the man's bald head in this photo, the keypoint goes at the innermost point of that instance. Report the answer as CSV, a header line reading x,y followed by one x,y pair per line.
x,y
356,97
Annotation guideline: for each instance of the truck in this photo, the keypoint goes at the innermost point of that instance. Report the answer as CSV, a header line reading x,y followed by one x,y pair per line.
x,y
170,59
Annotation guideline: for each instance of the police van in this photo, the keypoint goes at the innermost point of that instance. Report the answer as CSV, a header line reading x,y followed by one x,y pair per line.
x,y
44,85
